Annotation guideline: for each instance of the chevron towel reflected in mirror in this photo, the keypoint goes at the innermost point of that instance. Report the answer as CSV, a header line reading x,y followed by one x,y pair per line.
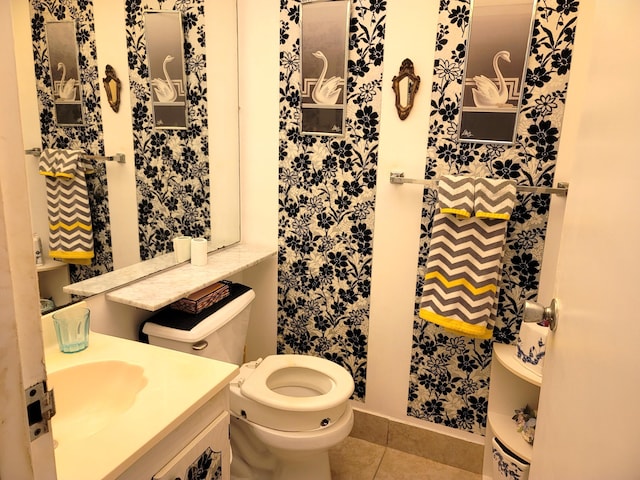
x,y
70,229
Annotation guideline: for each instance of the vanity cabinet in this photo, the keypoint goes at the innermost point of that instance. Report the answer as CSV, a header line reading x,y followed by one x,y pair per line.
x,y
512,387
204,457
197,448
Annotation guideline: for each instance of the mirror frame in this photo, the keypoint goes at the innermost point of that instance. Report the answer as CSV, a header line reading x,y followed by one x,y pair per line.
x,y
406,71
111,84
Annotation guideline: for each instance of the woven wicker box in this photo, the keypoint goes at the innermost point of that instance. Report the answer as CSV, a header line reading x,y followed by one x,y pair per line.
x,y
198,301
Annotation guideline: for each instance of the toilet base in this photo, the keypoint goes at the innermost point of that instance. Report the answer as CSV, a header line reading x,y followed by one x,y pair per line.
x,y
258,452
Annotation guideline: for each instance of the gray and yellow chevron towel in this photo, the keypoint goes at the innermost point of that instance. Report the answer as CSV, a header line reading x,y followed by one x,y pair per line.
x,y
456,195
70,229
494,198
464,263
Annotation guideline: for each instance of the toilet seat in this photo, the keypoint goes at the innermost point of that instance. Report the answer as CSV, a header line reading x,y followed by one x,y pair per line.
x,y
332,384
291,393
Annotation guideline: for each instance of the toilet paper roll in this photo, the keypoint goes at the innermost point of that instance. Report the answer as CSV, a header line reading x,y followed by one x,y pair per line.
x,y
182,248
199,251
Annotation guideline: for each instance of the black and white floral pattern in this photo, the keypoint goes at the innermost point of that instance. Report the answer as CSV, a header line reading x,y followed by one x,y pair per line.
x,y
87,137
172,166
449,373
208,466
327,194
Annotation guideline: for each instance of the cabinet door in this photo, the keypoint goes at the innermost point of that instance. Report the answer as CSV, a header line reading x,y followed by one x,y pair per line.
x,y
206,457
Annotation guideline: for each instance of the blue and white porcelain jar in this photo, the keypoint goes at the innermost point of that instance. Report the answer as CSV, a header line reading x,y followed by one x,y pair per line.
x,y
532,346
506,465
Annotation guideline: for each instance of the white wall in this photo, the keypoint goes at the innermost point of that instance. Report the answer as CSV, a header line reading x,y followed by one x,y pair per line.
x,y
118,135
410,33
259,69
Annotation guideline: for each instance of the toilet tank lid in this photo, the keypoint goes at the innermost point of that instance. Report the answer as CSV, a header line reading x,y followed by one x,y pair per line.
x,y
184,327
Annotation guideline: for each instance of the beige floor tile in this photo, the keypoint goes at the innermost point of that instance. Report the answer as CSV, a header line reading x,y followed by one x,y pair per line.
x,y
355,459
398,465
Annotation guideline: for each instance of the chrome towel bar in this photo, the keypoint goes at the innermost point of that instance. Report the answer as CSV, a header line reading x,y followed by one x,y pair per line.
x,y
118,157
561,190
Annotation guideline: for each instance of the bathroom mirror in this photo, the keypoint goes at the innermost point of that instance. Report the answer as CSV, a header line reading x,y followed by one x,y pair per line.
x,y
324,53
498,47
220,33
65,73
405,86
165,45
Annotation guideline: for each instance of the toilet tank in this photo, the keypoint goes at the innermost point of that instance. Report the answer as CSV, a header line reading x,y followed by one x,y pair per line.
x,y
220,336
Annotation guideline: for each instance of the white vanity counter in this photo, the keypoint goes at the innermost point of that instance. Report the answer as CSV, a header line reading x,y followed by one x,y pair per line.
x,y
171,389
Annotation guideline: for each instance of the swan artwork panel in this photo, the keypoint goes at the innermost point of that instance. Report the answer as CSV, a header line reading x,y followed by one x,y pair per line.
x,y
164,38
498,49
65,72
324,50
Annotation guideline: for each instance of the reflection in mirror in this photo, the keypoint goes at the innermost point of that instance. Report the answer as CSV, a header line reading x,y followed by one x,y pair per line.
x,y
65,73
498,48
111,84
121,184
163,33
405,86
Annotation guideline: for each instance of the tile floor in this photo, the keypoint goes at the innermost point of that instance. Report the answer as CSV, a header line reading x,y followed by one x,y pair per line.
x,y
356,459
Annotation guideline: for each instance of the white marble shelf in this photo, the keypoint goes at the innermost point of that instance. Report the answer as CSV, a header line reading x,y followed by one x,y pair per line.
x,y
121,276
157,291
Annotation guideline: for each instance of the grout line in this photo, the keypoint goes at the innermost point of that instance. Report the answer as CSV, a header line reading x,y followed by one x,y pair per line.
x,y
388,433
375,474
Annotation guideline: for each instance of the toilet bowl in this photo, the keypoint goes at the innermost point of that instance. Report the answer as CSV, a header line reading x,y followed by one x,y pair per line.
x,y
261,453
286,410
290,409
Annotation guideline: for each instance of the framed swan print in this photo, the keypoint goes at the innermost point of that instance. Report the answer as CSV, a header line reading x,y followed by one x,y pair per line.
x,y
497,53
65,73
324,54
165,53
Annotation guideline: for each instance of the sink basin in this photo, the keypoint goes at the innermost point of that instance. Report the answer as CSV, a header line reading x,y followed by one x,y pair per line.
x,y
90,396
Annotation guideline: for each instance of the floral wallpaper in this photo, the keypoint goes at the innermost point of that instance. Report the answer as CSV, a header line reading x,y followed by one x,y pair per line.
x,y
449,373
326,197
208,466
172,169
87,137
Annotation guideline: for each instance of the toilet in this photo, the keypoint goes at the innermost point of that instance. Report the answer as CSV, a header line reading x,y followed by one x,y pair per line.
x,y
287,410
